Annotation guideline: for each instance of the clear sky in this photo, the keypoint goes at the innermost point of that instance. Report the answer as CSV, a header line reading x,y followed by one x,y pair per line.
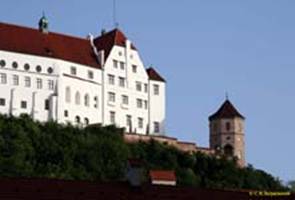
x,y
203,49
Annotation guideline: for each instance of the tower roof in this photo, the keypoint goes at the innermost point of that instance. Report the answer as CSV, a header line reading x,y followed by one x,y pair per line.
x,y
227,110
154,75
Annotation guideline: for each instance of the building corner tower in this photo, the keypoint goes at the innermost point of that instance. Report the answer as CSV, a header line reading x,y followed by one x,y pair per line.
x,y
227,132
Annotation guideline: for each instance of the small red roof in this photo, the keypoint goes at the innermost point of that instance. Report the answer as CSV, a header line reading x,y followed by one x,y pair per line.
x,y
154,75
227,110
162,175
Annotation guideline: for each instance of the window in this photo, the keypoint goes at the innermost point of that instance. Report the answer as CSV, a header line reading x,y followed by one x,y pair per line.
x,y
111,79
128,120
2,63
39,83
125,100
3,78
112,117
46,104
145,104
156,89
96,102
156,127
66,113
86,121
77,98
139,103
14,65
23,104
50,70
15,80
68,94
138,86
2,102
122,65
90,74
145,88
115,63
38,68
26,66
73,70
140,122
77,119
86,100
121,82
50,85
112,97
227,126
134,68
27,81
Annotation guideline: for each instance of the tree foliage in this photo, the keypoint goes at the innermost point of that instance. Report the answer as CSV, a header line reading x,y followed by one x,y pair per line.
x,y
51,150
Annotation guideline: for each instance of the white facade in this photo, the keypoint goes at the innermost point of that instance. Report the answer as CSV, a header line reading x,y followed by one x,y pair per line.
x,y
120,92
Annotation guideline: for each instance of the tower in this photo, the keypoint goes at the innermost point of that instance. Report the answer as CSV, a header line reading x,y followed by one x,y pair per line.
x,y
43,24
227,132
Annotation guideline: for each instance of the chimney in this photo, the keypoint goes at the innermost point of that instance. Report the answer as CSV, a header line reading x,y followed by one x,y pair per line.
x,y
162,177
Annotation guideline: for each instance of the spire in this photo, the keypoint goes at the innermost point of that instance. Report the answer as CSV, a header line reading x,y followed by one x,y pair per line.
x,y
43,24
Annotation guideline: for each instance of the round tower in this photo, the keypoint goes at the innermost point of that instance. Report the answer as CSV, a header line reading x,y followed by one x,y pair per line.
x,y
227,132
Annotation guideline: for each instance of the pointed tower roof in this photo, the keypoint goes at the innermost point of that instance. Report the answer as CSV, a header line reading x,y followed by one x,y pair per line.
x,y
154,75
227,110
107,40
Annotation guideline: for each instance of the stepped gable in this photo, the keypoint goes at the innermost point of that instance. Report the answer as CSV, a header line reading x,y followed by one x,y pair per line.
x,y
107,40
154,75
227,110
31,41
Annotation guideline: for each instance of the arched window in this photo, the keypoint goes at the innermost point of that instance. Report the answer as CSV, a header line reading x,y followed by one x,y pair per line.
x,y
68,94
77,98
228,150
86,120
77,118
86,100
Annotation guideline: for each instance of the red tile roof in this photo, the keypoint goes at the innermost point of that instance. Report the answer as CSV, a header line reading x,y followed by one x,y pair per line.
x,y
25,40
163,175
154,75
227,110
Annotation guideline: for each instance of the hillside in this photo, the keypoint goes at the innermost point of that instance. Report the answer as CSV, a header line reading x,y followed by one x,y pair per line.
x,y
50,150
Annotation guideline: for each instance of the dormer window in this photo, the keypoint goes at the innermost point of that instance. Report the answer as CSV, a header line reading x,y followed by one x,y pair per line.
x,y
227,126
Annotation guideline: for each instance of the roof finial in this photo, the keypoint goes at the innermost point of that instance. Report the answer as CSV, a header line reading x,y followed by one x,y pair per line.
x,y
43,23
226,95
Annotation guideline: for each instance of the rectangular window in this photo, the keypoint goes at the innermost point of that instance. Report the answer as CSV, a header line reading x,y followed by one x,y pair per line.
x,y
3,78
138,86
46,105
145,88
121,82
140,122
156,89
156,127
39,83
125,100
145,104
112,97
111,79
122,65
27,81
112,117
115,63
139,103
90,74
15,79
134,68
23,104
2,102
128,120
73,70
50,85
66,113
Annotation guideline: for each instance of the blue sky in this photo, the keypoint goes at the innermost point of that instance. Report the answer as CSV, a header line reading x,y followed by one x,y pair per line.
x,y
203,49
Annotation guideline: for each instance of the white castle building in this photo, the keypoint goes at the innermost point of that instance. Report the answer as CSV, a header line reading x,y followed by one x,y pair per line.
x,y
98,80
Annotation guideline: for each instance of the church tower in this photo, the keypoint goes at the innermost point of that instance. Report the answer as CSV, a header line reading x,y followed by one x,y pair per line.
x,y
227,132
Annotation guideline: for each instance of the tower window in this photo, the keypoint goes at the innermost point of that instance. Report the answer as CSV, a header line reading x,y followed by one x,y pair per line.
x,y
227,126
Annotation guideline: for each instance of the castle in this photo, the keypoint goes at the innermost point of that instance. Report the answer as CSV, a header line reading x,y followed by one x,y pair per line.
x,y
97,80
